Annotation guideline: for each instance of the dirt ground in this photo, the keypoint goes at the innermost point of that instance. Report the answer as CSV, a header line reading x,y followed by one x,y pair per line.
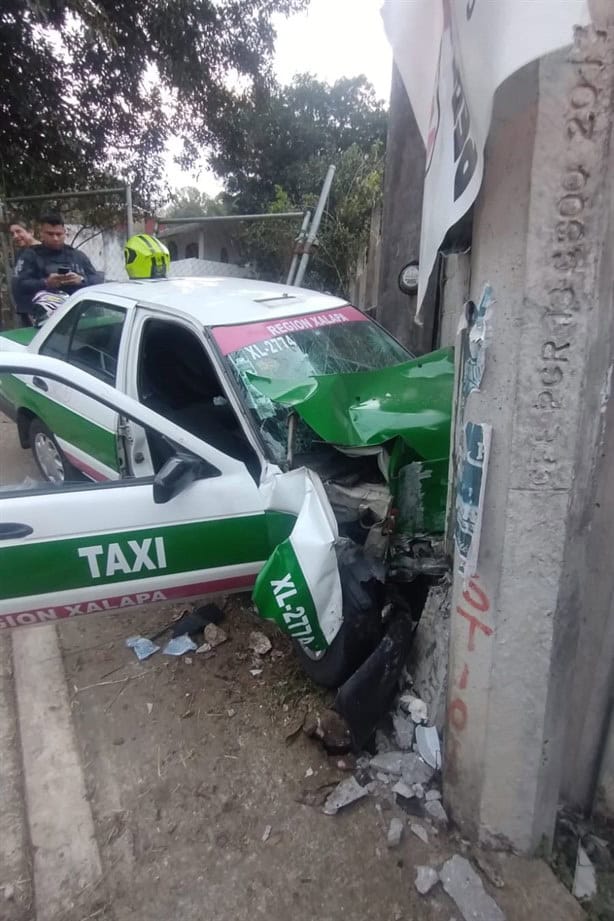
x,y
186,764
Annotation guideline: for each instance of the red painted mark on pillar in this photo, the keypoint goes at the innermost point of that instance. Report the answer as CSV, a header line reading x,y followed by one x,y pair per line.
x,y
476,603
474,624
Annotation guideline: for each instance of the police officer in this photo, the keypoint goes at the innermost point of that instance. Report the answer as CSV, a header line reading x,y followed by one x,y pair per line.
x,y
52,266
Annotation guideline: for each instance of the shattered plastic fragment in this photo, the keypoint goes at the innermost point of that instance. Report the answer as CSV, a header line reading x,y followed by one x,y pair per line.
x,y
585,882
143,648
427,740
254,672
348,791
395,833
426,878
267,833
179,645
465,887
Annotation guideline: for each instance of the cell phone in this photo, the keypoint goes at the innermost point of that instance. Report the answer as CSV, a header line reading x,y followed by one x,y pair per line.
x,y
63,270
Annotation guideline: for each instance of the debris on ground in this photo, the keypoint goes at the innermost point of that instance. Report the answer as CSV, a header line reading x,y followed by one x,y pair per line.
x,y
404,790
142,647
585,881
214,636
414,706
267,833
149,707
255,672
431,795
348,791
259,643
488,868
331,729
427,741
404,728
179,645
436,813
426,878
465,888
419,831
395,833
194,622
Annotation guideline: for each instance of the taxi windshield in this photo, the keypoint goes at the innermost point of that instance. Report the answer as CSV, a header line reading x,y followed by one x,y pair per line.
x,y
341,341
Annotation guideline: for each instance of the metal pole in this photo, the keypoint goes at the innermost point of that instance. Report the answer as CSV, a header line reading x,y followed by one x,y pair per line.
x,y
299,241
129,214
56,196
315,224
228,217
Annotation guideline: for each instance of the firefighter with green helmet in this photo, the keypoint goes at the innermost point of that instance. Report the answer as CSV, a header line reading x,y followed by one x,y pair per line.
x,y
146,257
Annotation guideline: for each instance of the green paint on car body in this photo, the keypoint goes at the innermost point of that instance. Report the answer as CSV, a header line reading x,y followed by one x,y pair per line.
x,y
35,567
74,428
407,407
22,336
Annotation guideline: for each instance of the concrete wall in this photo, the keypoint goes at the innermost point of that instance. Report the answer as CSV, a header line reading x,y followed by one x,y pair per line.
x,y
402,217
542,225
206,243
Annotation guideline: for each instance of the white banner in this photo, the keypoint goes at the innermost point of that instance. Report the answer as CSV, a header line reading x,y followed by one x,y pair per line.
x,y
452,55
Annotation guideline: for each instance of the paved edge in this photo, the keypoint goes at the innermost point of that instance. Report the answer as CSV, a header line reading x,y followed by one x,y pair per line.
x,y
15,867
66,857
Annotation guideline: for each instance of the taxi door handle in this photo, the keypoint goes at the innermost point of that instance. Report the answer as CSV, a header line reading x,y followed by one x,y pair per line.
x,y
40,383
10,529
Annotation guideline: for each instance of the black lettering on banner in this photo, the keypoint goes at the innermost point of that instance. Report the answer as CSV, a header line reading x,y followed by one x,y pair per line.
x,y
465,150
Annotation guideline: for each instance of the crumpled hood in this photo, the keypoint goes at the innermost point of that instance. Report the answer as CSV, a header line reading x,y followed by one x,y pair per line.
x,y
412,400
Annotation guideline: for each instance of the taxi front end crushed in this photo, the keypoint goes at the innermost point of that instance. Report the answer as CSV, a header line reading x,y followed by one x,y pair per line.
x,y
363,431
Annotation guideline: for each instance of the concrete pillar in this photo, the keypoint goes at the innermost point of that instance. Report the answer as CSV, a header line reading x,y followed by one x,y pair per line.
x,y
201,243
543,239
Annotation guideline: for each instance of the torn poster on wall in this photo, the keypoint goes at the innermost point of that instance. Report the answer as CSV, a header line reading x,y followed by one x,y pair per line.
x,y
479,337
470,489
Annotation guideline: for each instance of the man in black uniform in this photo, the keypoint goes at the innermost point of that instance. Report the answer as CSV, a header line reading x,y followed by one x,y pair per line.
x,y
52,266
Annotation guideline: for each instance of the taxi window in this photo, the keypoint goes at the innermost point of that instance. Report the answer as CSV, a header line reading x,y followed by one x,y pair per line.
x,y
89,337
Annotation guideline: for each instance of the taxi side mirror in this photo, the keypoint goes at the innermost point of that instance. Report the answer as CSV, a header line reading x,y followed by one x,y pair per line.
x,y
177,473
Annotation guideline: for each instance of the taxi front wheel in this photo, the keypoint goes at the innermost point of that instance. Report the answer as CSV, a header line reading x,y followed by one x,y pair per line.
x,y
49,458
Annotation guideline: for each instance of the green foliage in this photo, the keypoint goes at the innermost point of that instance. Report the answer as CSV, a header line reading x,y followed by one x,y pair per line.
x,y
91,90
190,202
276,153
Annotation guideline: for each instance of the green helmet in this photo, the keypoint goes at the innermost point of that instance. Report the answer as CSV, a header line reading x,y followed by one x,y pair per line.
x,y
146,257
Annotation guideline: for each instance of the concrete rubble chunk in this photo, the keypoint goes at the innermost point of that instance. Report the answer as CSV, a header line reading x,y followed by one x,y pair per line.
x,y
408,765
403,789
395,833
214,635
419,831
585,881
435,811
404,728
432,795
466,889
348,791
413,705
259,643
426,878
427,740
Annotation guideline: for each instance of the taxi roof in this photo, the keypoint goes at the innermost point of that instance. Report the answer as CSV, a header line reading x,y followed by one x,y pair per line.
x,y
222,301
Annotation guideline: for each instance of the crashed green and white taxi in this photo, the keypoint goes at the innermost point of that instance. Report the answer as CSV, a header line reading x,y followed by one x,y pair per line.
x,y
201,436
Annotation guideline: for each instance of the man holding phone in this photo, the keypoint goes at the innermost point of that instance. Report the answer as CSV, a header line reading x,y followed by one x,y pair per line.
x,y
52,266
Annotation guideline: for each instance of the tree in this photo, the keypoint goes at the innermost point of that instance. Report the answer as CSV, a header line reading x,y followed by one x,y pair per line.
x,y
190,202
276,154
90,91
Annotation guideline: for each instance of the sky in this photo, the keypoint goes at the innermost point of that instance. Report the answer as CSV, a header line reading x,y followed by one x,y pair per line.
x,y
331,39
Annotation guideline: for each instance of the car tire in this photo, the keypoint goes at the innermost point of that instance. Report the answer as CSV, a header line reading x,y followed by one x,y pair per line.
x,y
52,464
360,632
